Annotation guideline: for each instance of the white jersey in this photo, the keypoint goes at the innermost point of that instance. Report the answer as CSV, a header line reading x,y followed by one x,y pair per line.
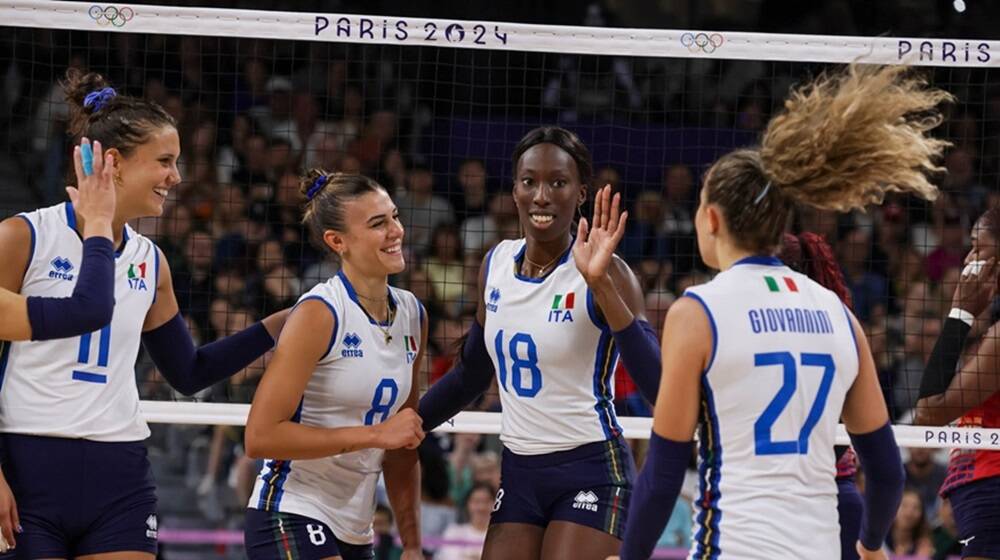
x,y
84,386
362,380
555,360
783,359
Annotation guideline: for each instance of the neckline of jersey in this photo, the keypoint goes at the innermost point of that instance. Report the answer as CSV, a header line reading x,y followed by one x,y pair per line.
x,y
760,260
520,255
71,222
351,293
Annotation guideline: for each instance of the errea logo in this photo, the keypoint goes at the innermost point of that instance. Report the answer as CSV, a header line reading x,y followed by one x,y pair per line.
x,y
585,501
493,301
61,268
352,346
151,531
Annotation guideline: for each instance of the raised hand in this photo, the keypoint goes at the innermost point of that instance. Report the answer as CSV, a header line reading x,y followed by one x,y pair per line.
x,y
596,243
403,429
976,286
94,197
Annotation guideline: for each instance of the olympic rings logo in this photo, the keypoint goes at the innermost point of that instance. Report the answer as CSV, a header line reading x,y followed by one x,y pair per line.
x,y
111,15
702,42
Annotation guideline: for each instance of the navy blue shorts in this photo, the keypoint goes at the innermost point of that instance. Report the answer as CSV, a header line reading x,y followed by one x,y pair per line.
x,y
589,485
976,506
77,497
849,507
275,535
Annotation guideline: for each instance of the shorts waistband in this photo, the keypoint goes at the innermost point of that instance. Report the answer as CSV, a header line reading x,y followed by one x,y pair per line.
x,y
559,457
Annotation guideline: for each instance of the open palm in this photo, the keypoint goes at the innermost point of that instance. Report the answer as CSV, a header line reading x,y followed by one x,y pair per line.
x,y
595,246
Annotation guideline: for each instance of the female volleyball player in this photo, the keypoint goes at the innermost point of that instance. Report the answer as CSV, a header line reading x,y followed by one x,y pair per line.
x,y
809,254
88,307
553,315
341,390
766,361
74,401
970,393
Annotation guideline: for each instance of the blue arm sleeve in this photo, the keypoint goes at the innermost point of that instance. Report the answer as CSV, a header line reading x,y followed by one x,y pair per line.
x,y
92,303
460,386
653,497
640,353
189,369
884,478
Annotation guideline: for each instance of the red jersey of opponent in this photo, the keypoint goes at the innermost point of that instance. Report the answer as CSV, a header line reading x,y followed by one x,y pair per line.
x,y
967,465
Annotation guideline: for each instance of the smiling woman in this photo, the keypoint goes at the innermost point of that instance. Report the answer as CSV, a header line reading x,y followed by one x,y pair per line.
x,y
74,400
336,406
561,309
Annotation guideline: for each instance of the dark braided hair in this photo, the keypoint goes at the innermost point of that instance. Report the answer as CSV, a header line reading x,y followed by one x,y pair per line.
x,y
810,254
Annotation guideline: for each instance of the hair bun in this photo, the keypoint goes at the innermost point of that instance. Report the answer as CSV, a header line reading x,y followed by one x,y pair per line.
x,y
97,100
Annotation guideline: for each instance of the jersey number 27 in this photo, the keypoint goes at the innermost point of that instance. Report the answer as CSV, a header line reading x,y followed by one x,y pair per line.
x,y
763,443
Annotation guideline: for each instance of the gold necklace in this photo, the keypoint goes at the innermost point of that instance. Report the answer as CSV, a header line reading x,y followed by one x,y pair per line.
x,y
390,313
541,269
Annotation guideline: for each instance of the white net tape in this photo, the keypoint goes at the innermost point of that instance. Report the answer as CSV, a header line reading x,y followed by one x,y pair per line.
x,y
384,30
634,427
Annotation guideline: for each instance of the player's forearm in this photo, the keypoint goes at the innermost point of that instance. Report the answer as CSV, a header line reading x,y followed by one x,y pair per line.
x,y
92,303
656,490
402,481
189,369
640,353
933,411
616,313
294,441
463,384
884,479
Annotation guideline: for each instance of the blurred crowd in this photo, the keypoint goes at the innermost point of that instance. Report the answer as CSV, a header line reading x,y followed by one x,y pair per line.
x,y
252,114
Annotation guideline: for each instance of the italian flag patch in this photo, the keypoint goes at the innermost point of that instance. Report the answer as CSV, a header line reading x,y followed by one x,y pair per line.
x,y
781,284
411,343
564,301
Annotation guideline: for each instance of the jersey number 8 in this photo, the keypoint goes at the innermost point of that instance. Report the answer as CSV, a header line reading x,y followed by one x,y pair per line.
x,y
378,406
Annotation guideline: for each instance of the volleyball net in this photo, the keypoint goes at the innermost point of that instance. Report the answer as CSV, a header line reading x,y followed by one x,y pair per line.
x,y
432,109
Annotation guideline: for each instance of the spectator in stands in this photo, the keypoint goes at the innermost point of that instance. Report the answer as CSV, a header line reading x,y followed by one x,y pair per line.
x,y
421,211
324,150
478,507
961,181
385,539
470,195
591,85
869,290
925,475
274,284
951,247
437,511
445,266
608,176
480,233
253,161
281,158
910,535
378,136
919,335
642,232
392,171
193,280
945,533
678,217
